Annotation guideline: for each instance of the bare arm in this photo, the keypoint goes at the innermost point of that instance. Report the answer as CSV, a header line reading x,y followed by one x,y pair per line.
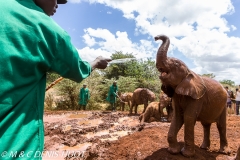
x,y
100,63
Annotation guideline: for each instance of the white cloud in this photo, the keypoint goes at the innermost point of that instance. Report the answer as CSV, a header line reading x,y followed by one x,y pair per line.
x,y
89,40
196,28
233,27
74,1
89,54
106,43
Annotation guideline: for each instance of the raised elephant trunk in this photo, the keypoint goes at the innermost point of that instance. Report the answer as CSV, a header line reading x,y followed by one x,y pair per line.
x,y
162,51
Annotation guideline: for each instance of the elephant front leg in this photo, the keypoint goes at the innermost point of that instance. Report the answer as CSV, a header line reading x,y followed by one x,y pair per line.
x,y
176,124
206,139
144,117
221,125
131,108
129,104
123,106
189,121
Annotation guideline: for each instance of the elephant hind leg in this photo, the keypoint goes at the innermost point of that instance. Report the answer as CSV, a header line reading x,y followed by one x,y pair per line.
x,y
145,104
206,138
221,125
136,106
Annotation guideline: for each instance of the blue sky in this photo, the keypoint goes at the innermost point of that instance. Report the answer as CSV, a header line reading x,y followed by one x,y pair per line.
x,y
204,34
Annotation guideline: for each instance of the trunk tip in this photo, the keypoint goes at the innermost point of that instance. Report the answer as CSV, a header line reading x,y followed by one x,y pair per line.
x,y
161,37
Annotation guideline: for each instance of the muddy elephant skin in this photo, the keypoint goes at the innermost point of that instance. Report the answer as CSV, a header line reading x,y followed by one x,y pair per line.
x,y
126,97
166,102
141,96
152,113
195,98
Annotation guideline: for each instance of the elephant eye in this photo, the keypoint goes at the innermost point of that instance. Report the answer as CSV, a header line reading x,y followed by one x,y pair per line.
x,y
160,69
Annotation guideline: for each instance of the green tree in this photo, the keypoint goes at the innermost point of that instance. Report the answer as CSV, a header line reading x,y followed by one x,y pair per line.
x,y
51,77
145,73
229,83
68,90
121,55
127,84
210,75
118,69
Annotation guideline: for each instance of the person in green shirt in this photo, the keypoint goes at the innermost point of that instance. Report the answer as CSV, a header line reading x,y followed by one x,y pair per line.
x,y
112,94
32,44
83,97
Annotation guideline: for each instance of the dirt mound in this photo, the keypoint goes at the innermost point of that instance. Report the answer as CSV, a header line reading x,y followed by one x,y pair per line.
x,y
106,135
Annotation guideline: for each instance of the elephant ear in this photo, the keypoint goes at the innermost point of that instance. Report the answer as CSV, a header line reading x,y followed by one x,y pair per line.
x,y
169,91
193,85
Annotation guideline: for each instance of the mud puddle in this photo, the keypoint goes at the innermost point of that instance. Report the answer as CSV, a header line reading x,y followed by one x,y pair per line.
x,y
78,131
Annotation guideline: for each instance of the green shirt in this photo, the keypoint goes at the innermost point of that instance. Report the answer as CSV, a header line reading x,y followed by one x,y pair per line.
x,y
31,44
112,94
84,96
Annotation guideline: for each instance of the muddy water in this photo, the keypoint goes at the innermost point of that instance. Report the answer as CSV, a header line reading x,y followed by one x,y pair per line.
x,y
79,147
78,116
128,121
112,136
72,133
93,122
67,128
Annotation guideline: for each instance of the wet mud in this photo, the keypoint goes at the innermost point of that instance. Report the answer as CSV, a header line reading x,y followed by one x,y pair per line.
x,y
116,135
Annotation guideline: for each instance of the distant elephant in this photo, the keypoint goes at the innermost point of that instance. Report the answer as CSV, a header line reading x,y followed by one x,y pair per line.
x,y
195,98
141,96
154,112
166,102
126,97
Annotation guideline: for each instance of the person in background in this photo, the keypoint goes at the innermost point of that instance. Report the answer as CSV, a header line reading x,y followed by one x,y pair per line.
x,y
83,97
230,97
233,106
112,94
229,103
237,99
32,44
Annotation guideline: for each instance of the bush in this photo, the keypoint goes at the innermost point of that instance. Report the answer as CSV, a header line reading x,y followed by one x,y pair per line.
x,y
49,101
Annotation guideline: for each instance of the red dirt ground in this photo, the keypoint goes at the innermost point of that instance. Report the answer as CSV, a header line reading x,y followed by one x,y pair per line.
x,y
149,143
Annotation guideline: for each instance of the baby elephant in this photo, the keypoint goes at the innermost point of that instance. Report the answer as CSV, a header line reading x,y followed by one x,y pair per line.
x,y
154,112
166,102
141,96
126,97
